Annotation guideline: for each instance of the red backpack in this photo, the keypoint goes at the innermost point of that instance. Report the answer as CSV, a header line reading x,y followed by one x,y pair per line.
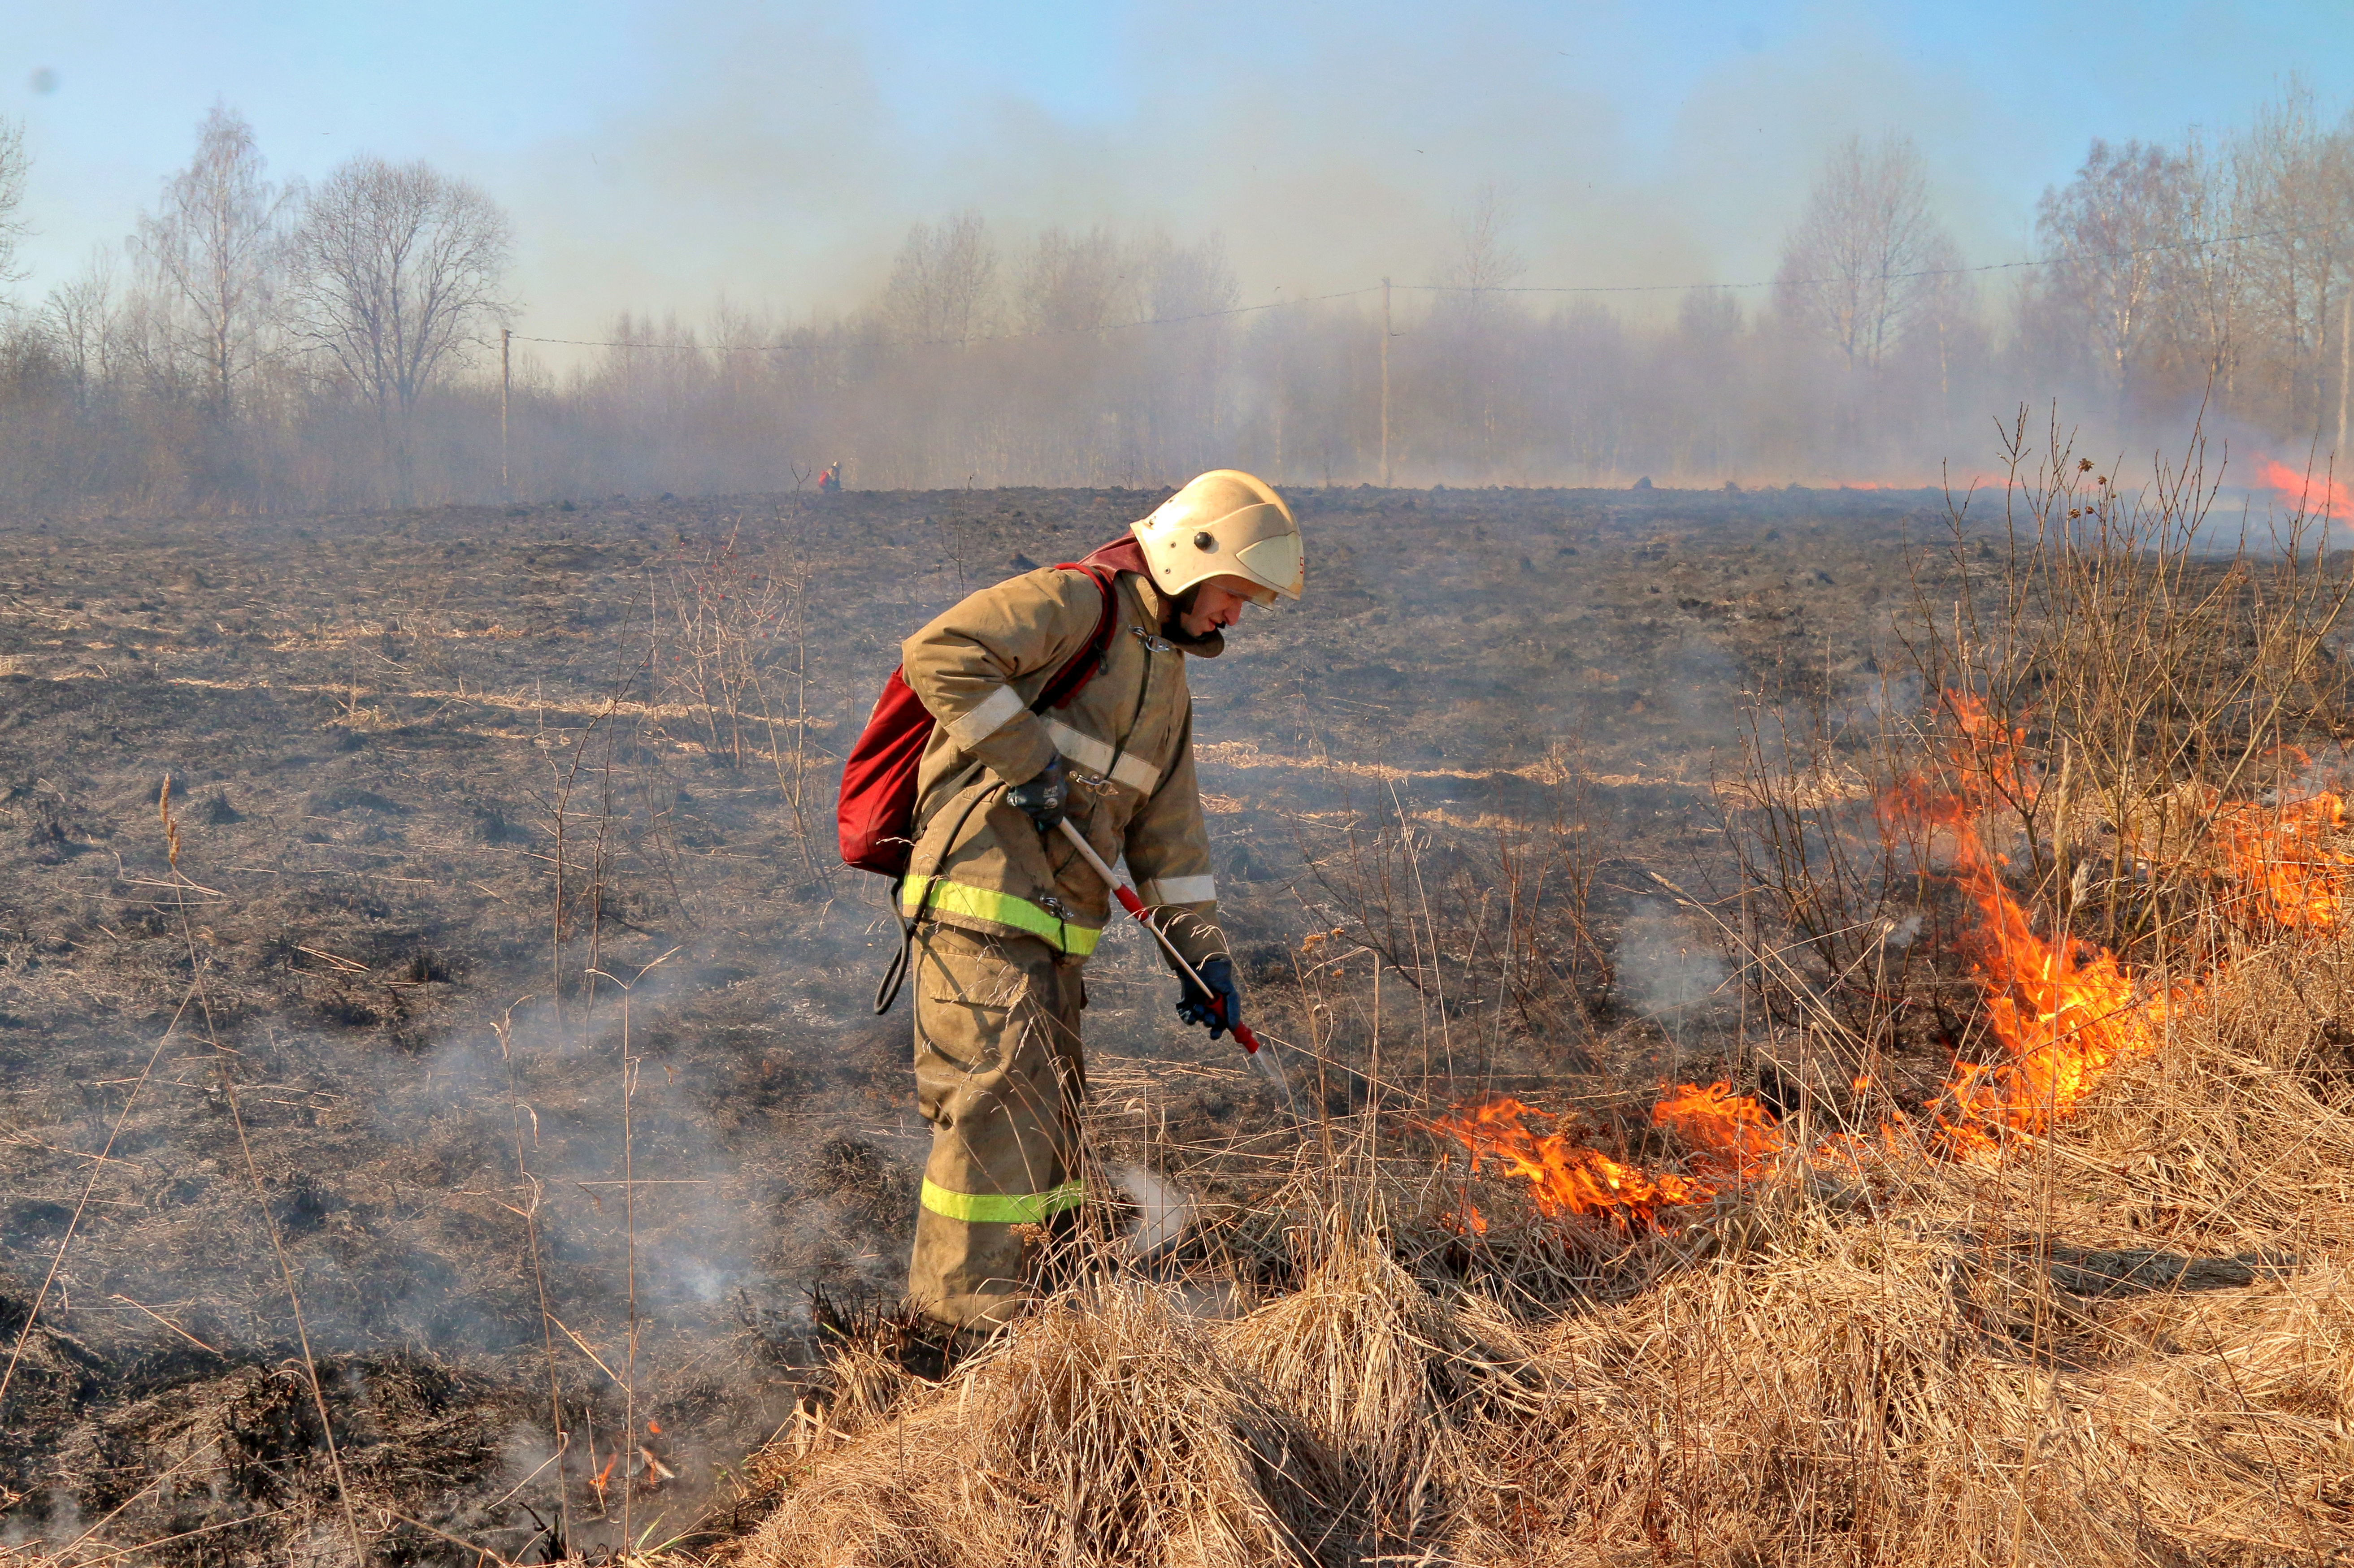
x,y
877,815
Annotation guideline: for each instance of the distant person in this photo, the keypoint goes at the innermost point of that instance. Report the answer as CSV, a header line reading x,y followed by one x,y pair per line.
x,y
829,480
1002,912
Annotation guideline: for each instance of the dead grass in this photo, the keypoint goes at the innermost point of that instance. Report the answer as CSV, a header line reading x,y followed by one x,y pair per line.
x,y
2125,1340
2132,1344
1110,1430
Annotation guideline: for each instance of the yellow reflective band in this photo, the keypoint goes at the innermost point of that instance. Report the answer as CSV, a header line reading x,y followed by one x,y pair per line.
x,y
1002,1208
955,898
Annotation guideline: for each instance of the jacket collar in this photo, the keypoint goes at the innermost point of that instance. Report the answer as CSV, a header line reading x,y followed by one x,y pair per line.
x,y
1156,607
1126,556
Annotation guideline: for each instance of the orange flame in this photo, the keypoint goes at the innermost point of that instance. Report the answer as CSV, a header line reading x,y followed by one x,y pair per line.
x,y
1733,1133
2064,1010
2287,876
1564,1177
2317,494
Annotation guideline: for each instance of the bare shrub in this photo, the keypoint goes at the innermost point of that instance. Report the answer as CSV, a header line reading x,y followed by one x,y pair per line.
x,y
730,652
1496,917
2111,677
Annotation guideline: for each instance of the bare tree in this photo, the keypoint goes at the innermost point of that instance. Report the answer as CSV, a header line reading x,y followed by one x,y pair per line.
x,y
2294,182
14,166
85,320
1176,370
1463,369
214,251
1184,282
397,270
2204,303
1485,258
942,282
1851,269
1075,283
2114,237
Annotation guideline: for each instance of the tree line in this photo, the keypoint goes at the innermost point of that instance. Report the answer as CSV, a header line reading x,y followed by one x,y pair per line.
x,y
265,347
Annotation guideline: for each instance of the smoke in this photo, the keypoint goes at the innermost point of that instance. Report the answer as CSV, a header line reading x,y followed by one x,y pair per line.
x,y
1666,969
775,154
754,178
1163,1212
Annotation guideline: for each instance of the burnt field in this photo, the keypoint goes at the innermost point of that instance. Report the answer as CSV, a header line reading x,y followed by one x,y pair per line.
x,y
483,971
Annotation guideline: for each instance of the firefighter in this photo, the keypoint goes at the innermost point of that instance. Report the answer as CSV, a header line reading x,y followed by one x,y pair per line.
x,y
1003,913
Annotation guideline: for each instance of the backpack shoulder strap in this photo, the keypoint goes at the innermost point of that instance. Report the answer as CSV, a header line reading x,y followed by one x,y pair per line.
x,y
1081,667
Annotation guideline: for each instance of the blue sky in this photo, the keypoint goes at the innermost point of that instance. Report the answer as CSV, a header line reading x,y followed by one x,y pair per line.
x,y
659,157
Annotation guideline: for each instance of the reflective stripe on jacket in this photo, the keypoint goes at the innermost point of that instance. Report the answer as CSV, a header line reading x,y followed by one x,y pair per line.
x,y
1127,744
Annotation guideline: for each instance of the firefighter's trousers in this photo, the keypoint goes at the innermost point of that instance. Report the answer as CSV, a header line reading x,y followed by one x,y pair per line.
x,y
1000,1077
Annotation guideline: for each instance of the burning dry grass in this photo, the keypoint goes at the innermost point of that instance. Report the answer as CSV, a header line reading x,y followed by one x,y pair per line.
x,y
2131,1340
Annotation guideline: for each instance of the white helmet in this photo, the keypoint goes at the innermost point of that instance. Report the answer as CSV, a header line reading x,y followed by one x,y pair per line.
x,y
1223,523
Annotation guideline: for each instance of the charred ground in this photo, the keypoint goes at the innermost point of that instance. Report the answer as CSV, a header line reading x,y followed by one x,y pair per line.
x,y
392,738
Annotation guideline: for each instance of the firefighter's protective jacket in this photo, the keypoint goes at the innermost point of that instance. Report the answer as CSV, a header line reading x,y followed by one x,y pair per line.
x,y
1127,744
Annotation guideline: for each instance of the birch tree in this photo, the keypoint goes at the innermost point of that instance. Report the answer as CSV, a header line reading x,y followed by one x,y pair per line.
x,y
2117,239
14,167
214,253
1851,269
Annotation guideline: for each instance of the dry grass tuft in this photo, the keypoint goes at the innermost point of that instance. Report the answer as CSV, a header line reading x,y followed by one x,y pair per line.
x,y
1389,1378
1106,1429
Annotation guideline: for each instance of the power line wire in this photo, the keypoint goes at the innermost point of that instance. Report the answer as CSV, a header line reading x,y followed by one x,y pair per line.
x,y
1888,277
955,341
1410,287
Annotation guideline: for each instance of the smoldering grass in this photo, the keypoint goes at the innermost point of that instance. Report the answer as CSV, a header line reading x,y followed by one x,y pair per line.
x,y
533,1191
97,1169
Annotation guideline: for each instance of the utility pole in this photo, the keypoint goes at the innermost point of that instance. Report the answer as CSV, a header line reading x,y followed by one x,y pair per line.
x,y
2345,362
1385,385
506,382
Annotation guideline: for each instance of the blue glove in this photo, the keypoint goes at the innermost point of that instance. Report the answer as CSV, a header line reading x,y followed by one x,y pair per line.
x,y
1193,1006
1041,799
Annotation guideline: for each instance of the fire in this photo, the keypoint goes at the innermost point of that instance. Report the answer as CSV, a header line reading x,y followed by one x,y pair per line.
x,y
2063,1010
2315,494
1733,1133
2283,872
1735,1138
1564,1177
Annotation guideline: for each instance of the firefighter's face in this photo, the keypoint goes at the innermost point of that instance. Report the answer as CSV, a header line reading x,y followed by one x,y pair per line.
x,y
1217,605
